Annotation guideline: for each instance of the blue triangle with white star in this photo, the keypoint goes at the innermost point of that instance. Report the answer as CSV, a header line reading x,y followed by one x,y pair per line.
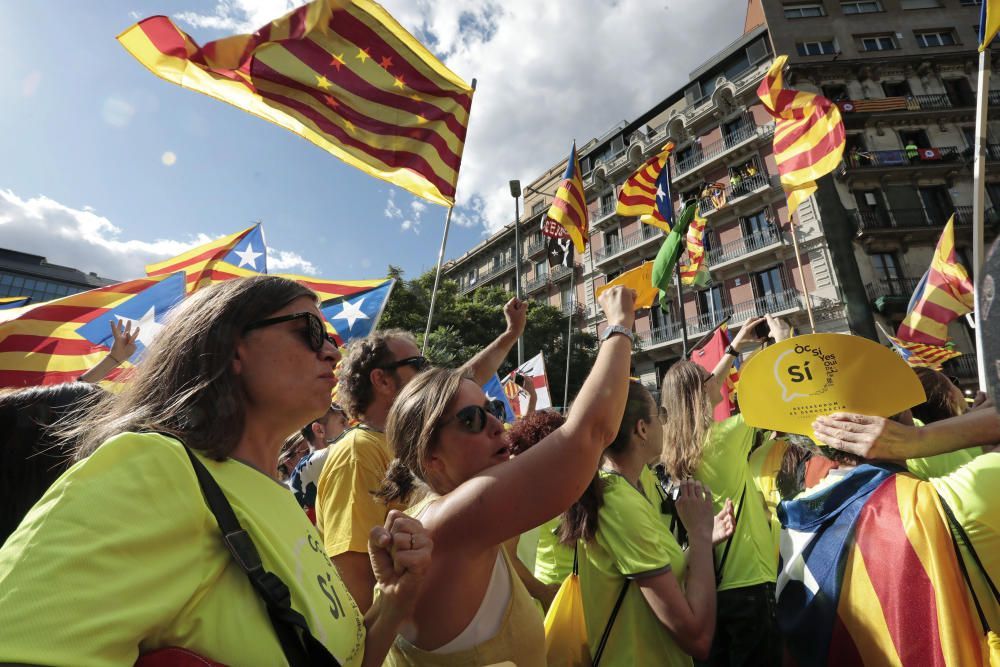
x,y
357,315
147,310
250,252
494,392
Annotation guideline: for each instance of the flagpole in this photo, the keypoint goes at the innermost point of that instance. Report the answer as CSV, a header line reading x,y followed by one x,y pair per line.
x,y
569,328
979,202
680,301
437,279
802,274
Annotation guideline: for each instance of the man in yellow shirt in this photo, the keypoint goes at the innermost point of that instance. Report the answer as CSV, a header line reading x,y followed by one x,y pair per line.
x,y
373,372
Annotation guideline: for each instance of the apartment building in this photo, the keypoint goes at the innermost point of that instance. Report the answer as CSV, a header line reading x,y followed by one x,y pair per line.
x,y
905,75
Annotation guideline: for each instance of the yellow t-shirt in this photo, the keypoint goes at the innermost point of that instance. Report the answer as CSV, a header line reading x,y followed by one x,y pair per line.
x,y
765,464
973,494
346,509
122,556
553,560
725,469
633,540
942,464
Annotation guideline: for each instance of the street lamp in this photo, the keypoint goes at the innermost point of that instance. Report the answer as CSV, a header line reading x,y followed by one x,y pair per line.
x,y
515,192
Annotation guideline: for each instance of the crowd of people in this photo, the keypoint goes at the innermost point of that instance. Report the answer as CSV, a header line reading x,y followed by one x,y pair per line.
x,y
231,507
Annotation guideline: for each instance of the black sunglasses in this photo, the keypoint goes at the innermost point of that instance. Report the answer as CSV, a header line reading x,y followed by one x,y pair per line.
x,y
315,333
473,418
419,363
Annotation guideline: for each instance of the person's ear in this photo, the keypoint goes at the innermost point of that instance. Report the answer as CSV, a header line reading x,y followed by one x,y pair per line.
x,y
641,428
237,362
319,432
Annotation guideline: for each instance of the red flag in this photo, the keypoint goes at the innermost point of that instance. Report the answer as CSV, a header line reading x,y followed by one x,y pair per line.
x,y
707,356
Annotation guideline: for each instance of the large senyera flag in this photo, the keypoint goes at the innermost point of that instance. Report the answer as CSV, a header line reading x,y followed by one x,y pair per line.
x,y
237,255
695,272
808,135
569,207
921,354
342,74
56,341
646,193
870,577
943,294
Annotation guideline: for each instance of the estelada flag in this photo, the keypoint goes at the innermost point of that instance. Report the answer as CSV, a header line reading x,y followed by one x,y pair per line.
x,y
237,255
646,193
569,206
342,74
57,341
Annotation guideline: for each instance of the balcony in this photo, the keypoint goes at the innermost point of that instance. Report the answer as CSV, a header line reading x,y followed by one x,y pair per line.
x,y
927,107
535,284
559,272
965,366
491,273
536,246
603,213
744,246
875,221
738,137
891,287
637,238
747,186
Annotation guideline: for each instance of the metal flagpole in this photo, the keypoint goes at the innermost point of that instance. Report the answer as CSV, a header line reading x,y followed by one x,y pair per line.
x,y
437,279
569,328
680,301
437,276
802,275
515,192
979,202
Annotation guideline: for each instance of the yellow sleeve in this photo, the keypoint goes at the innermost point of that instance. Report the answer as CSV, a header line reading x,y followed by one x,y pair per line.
x,y
630,529
106,558
346,509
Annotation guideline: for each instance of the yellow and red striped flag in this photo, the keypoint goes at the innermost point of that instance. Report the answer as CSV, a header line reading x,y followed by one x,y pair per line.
x,y
237,255
342,74
569,207
646,193
696,272
808,135
944,294
352,308
921,354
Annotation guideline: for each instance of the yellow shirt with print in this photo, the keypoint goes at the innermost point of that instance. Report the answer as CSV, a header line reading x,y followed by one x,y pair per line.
x,y
633,540
122,556
346,508
725,469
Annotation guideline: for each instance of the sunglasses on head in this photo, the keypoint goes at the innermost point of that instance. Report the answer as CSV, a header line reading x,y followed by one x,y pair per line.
x,y
418,363
314,333
473,418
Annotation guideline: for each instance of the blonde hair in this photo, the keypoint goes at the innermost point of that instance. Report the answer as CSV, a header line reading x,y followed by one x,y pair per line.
x,y
687,419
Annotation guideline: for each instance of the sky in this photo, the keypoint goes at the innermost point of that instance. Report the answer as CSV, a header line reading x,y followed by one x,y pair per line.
x,y
106,167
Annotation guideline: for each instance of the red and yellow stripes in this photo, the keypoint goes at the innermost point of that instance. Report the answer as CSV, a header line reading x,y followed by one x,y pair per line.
x,y
947,295
203,265
39,343
921,354
342,74
569,207
333,289
808,136
695,249
638,194
903,600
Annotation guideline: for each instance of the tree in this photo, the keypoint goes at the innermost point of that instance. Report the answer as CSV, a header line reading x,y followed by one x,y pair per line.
x,y
465,324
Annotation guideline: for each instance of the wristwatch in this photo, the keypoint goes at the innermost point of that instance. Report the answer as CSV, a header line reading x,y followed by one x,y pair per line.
x,y
617,329
732,351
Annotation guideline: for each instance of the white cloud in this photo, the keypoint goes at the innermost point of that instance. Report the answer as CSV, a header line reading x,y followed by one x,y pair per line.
x,y
547,72
117,112
392,210
85,240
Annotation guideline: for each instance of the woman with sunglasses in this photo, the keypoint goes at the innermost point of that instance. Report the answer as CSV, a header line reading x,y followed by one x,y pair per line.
x,y
473,610
123,557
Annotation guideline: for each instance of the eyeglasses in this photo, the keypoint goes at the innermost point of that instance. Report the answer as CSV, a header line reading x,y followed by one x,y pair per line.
x,y
418,363
661,412
473,418
314,333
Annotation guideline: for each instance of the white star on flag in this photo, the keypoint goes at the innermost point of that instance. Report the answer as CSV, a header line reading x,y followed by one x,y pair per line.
x,y
248,256
148,326
352,313
660,194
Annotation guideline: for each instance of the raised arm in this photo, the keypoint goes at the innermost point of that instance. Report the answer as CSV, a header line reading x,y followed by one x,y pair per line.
x,y
721,371
508,499
122,348
485,364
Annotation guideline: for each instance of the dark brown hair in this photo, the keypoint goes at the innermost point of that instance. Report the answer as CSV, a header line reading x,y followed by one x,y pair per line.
x,y
580,520
944,399
529,431
185,384
361,357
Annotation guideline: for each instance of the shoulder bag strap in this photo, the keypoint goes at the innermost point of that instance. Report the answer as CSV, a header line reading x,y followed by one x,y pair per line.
x,y
298,644
958,534
729,540
611,623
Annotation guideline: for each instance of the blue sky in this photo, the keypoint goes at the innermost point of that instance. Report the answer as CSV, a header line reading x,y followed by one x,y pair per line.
x,y
106,167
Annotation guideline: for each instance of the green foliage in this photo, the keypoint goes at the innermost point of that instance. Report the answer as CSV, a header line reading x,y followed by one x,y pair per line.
x,y
464,325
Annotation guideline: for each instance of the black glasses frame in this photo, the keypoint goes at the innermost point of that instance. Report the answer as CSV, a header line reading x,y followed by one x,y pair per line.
x,y
418,362
315,332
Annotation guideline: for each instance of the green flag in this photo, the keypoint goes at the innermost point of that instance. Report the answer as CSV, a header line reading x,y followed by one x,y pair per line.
x,y
670,251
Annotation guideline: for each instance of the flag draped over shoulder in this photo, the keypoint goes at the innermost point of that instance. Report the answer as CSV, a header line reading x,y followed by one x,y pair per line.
x,y
56,341
808,135
921,354
870,576
237,255
569,207
646,193
989,22
342,74
944,294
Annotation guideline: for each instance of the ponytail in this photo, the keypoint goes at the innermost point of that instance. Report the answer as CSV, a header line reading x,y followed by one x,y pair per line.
x,y
398,483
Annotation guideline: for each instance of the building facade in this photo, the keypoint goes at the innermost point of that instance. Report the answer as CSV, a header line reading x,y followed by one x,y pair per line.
x,y
22,274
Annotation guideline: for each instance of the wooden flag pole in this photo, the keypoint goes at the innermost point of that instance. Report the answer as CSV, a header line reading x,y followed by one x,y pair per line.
x,y
802,274
437,279
979,202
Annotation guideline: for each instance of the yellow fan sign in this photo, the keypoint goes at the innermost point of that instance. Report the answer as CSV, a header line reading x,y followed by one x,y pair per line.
x,y
786,386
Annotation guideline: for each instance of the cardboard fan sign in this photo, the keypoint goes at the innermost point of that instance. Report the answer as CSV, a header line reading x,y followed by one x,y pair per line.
x,y
786,386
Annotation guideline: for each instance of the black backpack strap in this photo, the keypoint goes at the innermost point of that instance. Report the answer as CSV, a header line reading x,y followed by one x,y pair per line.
x,y
611,623
958,534
729,540
298,644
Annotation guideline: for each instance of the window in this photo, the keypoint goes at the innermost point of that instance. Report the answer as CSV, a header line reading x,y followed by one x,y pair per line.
x,y
612,240
970,3
710,303
939,38
542,268
693,94
885,266
607,203
686,158
896,88
919,4
835,91
878,43
566,298
820,48
758,51
803,11
538,207
860,7
756,224
769,286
